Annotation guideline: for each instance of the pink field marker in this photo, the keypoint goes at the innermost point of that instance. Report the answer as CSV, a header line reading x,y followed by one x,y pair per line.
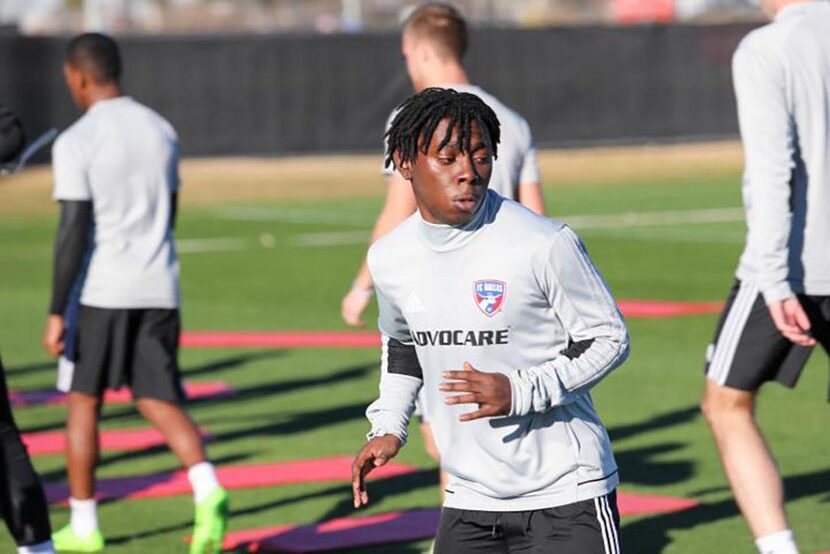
x,y
395,527
233,477
650,309
288,339
203,389
54,442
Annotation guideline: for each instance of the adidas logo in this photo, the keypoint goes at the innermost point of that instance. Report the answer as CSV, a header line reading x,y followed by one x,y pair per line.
x,y
413,305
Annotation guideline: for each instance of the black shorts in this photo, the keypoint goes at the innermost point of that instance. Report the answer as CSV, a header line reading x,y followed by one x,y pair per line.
x,y
748,350
586,527
136,348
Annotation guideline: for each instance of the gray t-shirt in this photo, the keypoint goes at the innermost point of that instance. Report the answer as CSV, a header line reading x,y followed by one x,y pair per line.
x,y
516,162
516,293
782,84
123,157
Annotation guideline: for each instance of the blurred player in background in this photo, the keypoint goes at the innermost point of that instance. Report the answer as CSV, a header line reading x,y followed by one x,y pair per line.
x,y
116,178
779,306
499,316
434,41
22,501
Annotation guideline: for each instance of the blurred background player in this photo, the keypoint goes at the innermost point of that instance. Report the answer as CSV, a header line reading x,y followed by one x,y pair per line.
x,y
780,304
22,501
434,41
530,463
116,178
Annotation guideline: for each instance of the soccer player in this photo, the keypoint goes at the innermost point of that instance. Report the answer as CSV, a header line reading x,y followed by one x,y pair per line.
x,y
485,303
116,178
434,41
779,306
22,501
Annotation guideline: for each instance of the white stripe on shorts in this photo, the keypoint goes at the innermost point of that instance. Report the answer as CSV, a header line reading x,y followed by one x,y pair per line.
x,y
727,340
606,525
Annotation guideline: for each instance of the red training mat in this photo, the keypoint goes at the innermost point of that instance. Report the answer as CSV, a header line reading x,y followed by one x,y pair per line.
x,y
202,389
395,527
54,442
231,477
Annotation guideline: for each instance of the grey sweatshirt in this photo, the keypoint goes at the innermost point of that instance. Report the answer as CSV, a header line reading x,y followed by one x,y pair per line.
x,y
782,83
515,293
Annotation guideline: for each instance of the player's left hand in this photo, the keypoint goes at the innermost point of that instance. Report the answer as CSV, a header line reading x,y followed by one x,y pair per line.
x,y
491,391
791,320
53,335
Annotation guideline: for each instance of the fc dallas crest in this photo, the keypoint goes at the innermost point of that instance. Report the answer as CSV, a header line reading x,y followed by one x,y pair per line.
x,y
489,295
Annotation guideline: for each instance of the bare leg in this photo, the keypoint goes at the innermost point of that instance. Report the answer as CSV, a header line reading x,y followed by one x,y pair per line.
x,y
82,443
178,429
432,450
747,460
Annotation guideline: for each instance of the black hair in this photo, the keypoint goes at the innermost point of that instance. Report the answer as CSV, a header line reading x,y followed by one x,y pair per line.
x,y
417,118
96,53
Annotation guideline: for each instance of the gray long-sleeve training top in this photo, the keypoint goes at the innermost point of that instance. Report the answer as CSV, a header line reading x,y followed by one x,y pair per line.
x,y
782,84
511,292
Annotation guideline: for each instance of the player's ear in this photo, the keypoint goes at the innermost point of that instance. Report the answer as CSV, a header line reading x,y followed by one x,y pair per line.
x,y
404,167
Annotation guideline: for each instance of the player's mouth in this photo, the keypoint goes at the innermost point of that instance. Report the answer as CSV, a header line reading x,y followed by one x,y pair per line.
x,y
466,204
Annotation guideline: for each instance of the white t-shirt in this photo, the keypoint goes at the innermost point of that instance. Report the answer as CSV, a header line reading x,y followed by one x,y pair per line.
x,y
516,162
123,157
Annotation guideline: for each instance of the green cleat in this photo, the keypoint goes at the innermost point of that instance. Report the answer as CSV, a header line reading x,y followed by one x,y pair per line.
x,y
210,523
66,540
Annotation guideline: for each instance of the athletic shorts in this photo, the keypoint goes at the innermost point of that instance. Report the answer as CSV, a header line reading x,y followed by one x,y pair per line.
x,y
136,348
586,527
748,350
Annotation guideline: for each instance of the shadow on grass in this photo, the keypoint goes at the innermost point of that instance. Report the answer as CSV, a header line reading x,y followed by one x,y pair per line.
x,y
641,465
378,490
653,534
230,362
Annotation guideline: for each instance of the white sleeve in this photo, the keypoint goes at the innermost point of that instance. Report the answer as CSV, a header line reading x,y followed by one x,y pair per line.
x,y
400,378
598,336
767,134
530,166
69,170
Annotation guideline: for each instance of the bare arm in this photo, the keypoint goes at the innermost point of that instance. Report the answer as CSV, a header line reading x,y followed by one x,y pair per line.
x,y
530,195
400,204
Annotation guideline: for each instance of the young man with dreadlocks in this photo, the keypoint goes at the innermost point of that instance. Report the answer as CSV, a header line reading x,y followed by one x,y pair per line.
x,y
484,302
433,42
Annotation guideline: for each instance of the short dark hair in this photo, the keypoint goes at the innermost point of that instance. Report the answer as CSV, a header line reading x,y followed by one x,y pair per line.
x,y
418,116
442,25
96,53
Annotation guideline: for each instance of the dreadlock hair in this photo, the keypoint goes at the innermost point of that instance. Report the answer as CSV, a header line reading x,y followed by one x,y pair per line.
x,y
417,118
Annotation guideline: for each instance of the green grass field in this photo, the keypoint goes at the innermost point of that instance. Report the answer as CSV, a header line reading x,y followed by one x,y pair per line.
x,y
297,404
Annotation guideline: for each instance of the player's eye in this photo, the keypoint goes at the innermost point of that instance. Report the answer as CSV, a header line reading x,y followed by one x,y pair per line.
x,y
446,159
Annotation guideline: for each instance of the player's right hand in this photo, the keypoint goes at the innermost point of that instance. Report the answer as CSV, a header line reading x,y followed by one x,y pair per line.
x,y
354,304
791,319
53,335
374,453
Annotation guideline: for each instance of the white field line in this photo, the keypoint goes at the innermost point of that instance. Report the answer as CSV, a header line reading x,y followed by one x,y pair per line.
x,y
593,224
192,246
647,219
332,239
287,215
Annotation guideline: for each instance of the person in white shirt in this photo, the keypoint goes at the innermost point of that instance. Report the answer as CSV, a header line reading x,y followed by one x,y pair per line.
x,y
779,307
116,179
499,316
434,41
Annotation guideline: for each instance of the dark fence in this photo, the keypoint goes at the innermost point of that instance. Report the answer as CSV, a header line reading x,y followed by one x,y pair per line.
x,y
269,95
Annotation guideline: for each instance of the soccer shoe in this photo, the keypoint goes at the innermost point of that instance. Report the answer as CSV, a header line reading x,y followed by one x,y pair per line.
x,y
210,523
66,540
